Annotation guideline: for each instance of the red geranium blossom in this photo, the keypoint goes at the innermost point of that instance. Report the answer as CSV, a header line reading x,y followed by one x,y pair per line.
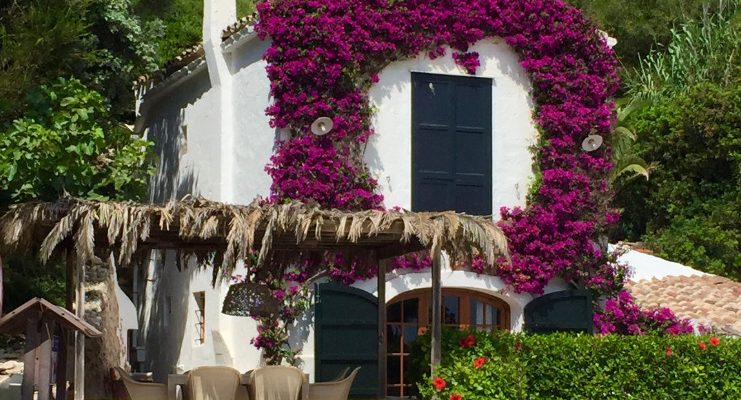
x,y
702,345
439,383
479,362
668,351
456,396
714,341
468,341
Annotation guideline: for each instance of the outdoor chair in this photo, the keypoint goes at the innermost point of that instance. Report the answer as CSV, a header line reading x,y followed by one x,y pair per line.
x,y
141,390
334,390
342,374
213,383
275,383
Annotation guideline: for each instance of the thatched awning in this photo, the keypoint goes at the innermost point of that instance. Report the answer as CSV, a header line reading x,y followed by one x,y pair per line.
x,y
223,234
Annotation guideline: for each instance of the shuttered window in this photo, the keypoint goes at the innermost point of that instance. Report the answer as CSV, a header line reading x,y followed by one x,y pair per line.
x,y
451,143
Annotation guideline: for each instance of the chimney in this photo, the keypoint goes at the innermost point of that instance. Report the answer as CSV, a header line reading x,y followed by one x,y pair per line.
x,y
217,15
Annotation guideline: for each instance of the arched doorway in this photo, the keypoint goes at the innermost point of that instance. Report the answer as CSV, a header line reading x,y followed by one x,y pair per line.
x,y
408,315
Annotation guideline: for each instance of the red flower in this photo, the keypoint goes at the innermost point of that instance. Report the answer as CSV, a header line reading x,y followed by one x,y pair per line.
x,y
714,341
668,351
479,362
439,383
518,346
702,345
468,341
456,396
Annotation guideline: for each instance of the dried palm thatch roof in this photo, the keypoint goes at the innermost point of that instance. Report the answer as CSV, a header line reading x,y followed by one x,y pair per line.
x,y
223,234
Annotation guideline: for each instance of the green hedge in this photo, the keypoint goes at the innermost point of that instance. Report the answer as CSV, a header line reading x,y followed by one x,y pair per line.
x,y
567,366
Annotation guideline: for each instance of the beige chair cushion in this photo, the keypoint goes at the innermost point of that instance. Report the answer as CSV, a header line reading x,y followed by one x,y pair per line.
x,y
275,383
141,390
213,383
335,390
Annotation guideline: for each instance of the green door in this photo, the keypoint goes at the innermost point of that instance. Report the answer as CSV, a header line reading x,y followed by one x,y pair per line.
x,y
346,335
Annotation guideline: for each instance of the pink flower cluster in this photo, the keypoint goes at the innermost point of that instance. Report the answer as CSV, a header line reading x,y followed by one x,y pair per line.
x,y
325,54
622,315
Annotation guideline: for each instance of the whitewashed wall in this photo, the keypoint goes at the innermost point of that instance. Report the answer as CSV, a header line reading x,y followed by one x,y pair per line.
x,y
513,129
195,164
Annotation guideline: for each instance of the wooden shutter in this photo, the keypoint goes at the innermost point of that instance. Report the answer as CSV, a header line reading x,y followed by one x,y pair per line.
x,y
346,335
451,144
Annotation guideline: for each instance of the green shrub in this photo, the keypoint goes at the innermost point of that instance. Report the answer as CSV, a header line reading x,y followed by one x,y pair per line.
x,y
567,366
689,209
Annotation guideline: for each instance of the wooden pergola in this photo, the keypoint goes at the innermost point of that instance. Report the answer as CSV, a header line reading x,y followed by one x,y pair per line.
x,y
221,235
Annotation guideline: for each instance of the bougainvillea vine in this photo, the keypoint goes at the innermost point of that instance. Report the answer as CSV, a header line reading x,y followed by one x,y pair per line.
x,y
325,55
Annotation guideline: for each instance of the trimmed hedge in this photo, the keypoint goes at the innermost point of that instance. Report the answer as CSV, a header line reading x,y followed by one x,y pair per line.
x,y
568,366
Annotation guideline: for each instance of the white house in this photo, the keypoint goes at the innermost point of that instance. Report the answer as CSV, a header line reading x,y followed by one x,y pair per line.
x,y
213,139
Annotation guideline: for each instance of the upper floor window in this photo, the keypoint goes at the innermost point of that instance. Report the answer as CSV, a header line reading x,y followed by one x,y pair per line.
x,y
451,143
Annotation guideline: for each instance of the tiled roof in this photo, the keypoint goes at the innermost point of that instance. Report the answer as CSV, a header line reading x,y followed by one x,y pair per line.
x,y
193,53
240,24
708,299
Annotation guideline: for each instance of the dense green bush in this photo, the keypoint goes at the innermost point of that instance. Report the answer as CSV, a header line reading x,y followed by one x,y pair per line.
x,y
66,143
100,42
690,208
567,366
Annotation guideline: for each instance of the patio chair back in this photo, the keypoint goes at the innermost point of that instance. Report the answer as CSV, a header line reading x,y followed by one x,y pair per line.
x,y
275,383
141,390
213,383
334,390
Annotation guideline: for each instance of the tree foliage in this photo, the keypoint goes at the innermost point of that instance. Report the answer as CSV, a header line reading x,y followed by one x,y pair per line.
x,y
639,25
689,210
182,20
100,42
66,143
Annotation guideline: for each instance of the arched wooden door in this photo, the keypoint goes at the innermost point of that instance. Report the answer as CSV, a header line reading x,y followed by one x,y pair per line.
x,y
408,315
346,335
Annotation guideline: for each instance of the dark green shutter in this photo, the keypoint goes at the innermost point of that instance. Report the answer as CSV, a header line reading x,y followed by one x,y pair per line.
x,y
451,143
346,335
565,311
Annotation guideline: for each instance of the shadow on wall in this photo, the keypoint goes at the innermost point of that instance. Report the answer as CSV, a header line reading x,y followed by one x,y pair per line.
x,y
168,311
166,127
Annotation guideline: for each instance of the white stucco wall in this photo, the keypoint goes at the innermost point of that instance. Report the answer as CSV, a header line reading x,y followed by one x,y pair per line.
x,y
194,164
513,129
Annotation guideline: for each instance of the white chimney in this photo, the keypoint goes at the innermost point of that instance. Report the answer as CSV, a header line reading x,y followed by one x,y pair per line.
x,y
217,15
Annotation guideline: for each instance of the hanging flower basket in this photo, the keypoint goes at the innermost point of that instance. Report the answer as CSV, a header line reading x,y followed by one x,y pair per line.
x,y
249,299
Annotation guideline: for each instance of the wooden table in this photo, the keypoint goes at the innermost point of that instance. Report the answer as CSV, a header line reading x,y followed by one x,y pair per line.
x,y
175,380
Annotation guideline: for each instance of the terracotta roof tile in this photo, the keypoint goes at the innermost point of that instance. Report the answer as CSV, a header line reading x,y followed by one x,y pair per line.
x,y
193,53
709,299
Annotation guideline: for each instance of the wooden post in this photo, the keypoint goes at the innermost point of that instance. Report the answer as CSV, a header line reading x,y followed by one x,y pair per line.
x,y
436,310
69,298
43,362
29,359
1,286
79,336
381,281
62,365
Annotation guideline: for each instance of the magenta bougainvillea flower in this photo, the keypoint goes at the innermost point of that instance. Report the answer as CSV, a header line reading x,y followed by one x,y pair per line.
x,y
316,69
